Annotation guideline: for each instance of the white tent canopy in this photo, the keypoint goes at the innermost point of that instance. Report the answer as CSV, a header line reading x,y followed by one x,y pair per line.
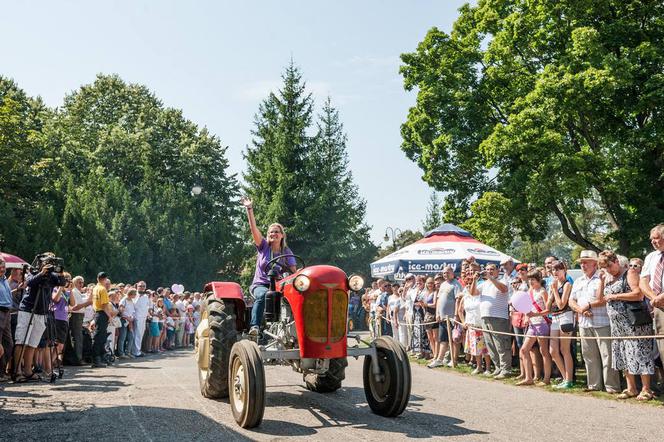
x,y
443,246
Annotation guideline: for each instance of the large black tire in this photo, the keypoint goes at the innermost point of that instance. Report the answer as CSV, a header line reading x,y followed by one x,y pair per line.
x,y
246,384
330,381
389,395
222,335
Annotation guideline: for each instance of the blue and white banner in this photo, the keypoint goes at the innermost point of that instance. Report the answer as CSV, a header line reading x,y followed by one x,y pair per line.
x,y
433,253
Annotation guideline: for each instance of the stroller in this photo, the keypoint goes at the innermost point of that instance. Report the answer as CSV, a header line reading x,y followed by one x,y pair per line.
x,y
109,353
109,346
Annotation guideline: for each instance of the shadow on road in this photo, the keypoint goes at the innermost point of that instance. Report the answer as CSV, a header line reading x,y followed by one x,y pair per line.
x,y
94,385
347,408
25,419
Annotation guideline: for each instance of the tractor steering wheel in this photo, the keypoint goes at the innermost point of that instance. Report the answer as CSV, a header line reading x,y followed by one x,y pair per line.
x,y
273,262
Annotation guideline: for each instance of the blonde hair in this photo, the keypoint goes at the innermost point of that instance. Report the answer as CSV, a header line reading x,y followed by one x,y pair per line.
x,y
283,244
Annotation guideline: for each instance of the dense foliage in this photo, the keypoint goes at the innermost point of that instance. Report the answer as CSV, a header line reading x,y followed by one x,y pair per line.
x,y
542,108
297,175
105,182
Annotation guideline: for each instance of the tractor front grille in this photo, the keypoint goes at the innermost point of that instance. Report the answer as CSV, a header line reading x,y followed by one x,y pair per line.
x,y
339,313
315,316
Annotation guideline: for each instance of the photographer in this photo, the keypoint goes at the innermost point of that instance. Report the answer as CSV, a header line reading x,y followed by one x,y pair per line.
x,y
103,314
494,297
31,321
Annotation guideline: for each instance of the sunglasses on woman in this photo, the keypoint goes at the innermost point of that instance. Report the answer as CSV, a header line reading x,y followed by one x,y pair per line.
x,y
634,266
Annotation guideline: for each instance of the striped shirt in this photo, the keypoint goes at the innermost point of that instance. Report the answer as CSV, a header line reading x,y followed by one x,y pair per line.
x,y
584,291
649,267
493,303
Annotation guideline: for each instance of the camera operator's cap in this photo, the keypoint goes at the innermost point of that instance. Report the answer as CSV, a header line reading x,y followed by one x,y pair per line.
x,y
102,275
587,255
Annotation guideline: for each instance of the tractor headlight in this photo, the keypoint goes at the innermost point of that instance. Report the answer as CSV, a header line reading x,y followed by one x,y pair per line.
x,y
302,283
355,282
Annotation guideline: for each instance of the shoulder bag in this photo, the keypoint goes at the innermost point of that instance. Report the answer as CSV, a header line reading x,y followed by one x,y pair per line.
x,y
636,311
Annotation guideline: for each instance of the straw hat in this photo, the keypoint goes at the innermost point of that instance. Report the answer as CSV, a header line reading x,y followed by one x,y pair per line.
x,y
587,255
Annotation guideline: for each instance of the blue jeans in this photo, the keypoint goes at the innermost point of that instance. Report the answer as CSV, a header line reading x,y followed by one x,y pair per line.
x,y
125,340
258,309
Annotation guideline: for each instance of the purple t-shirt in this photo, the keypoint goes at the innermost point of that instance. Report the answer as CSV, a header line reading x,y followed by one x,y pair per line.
x,y
265,254
60,307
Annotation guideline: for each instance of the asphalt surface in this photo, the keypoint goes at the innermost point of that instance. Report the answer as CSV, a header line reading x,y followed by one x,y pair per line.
x,y
157,398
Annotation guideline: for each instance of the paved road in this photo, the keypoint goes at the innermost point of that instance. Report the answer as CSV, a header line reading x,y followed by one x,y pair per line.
x,y
157,398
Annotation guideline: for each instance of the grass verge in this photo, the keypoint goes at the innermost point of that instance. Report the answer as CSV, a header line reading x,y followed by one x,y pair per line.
x,y
578,389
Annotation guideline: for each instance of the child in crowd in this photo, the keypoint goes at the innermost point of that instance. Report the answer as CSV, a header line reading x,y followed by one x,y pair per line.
x,y
197,316
170,329
188,326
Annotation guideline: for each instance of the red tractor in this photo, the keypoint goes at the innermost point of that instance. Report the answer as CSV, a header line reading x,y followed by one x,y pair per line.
x,y
306,317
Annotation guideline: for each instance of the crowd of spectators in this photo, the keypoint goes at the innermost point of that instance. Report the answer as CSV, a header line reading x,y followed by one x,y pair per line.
x,y
470,313
45,325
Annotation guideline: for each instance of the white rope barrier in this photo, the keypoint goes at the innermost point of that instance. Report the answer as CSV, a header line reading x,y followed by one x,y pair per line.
x,y
484,330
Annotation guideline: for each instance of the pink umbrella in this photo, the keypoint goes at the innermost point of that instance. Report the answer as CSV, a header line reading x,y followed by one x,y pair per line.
x,y
13,262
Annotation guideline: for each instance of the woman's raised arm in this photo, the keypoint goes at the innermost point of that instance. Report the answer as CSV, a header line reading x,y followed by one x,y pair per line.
x,y
258,237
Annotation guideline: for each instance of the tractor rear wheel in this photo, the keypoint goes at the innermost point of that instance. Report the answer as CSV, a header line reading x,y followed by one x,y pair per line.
x,y
246,384
330,381
214,340
388,395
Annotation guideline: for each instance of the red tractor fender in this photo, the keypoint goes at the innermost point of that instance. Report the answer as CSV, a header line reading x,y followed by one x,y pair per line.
x,y
229,291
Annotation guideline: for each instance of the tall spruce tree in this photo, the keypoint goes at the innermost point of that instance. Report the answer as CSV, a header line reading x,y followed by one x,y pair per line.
x,y
276,163
300,178
336,210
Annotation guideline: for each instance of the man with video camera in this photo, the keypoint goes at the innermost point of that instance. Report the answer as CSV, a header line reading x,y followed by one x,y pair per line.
x,y
32,311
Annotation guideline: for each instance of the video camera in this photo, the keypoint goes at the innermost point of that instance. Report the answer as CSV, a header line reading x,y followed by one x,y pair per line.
x,y
49,259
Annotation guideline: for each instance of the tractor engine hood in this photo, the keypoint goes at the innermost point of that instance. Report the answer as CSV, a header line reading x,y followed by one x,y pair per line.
x,y
320,311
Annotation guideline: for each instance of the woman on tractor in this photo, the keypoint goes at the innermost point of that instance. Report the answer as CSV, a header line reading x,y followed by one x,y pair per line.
x,y
268,249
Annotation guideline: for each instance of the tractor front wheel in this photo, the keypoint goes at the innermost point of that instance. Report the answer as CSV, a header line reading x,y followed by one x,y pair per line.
x,y
387,393
246,384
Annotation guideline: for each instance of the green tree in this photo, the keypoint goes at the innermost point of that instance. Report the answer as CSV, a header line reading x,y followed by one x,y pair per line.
x,y
553,104
297,174
27,221
335,211
434,216
132,163
491,220
108,185
276,162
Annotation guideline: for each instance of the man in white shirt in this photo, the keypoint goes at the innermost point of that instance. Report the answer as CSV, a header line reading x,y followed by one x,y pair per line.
x,y
593,322
652,281
494,298
141,307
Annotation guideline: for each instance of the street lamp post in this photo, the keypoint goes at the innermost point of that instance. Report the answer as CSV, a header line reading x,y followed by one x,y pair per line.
x,y
393,232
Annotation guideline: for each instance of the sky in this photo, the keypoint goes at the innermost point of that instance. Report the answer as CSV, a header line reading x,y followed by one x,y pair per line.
x,y
217,60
